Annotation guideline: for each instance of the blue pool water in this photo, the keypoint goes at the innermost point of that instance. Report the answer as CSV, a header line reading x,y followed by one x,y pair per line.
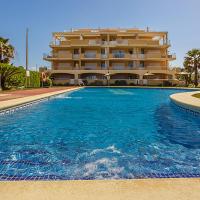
x,y
101,133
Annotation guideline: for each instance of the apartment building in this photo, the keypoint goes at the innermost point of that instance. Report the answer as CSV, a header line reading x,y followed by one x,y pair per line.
x,y
111,56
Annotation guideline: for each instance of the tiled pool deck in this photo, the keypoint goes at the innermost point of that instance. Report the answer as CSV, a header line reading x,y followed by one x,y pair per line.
x,y
15,94
155,189
17,98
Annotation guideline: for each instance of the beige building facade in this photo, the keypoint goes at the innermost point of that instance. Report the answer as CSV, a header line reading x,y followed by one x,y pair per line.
x,y
111,56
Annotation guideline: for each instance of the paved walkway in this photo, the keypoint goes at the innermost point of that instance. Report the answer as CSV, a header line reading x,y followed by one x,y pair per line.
x,y
7,95
30,96
149,189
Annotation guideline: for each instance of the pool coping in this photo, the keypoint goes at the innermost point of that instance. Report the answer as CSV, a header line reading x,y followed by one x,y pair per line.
x,y
145,87
156,189
187,101
12,103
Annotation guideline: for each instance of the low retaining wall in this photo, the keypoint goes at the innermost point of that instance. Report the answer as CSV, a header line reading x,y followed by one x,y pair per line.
x,y
187,101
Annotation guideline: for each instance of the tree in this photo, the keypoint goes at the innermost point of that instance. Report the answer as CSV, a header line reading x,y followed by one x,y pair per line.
x,y
192,64
6,50
9,76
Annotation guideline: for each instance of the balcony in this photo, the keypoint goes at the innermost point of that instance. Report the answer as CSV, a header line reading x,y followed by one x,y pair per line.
x,y
91,67
153,55
117,42
154,67
64,68
60,44
56,56
172,56
140,42
104,56
120,56
76,56
94,42
147,56
118,67
90,56
47,56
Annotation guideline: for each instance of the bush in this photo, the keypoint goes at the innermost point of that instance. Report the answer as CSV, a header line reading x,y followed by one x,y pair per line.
x,y
120,83
97,83
20,80
85,82
167,83
60,84
34,79
47,83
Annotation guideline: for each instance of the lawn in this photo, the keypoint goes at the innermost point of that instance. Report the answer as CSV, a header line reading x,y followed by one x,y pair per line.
x,y
196,95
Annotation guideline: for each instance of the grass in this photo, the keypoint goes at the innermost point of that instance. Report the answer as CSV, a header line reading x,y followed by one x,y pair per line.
x,y
196,95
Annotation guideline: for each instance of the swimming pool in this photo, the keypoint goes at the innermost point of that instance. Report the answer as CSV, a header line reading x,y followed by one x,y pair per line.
x,y
101,133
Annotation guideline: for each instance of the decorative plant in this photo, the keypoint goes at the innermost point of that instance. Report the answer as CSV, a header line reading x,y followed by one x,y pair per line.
x,y
8,76
192,64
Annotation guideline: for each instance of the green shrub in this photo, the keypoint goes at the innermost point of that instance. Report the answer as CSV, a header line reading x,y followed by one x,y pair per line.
x,y
34,79
47,83
60,84
85,82
120,83
167,83
97,83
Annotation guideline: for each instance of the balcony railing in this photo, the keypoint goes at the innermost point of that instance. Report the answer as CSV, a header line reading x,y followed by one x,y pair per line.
x,y
90,55
172,56
117,42
47,56
91,67
76,56
64,68
118,55
118,67
95,42
147,56
105,56
133,67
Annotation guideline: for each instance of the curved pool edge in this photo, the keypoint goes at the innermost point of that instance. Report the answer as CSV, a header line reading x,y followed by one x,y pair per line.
x,y
187,101
7,104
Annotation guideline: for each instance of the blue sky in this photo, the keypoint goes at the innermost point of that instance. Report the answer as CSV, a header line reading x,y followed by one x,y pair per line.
x,y
179,17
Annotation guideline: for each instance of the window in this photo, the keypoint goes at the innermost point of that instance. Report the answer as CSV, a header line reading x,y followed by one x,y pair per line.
x,y
142,64
118,53
130,65
103,65
130,52
142,51
76,51
103,51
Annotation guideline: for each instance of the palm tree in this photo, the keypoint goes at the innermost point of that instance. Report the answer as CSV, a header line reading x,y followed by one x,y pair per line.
x,y
192,64
6,50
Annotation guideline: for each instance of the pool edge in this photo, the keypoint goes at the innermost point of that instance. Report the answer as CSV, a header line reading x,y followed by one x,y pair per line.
x,y
8,104
187,101
169,189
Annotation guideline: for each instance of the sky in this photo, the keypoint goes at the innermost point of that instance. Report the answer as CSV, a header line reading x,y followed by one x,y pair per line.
x,y
179,17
